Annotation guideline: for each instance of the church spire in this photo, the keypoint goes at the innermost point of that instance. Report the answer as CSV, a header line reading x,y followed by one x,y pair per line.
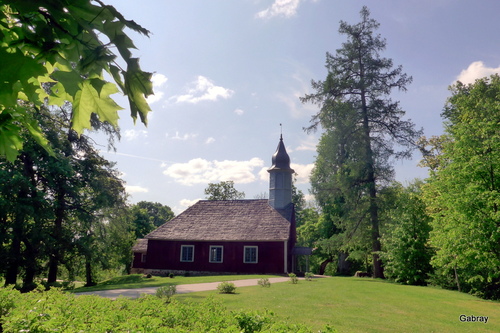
x,y
280,178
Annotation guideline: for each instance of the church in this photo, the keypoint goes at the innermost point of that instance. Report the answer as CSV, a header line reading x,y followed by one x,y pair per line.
x,y
228,236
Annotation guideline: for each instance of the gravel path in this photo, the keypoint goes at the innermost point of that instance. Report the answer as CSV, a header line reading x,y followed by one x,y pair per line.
x,y
181,289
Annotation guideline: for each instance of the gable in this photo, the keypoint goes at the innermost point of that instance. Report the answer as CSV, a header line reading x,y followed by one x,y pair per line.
x,y
229,220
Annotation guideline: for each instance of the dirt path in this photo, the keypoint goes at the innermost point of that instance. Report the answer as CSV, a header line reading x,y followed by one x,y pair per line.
x,y
181,289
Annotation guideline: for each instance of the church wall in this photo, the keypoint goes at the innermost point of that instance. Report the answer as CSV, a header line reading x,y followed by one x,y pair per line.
x,y
165,256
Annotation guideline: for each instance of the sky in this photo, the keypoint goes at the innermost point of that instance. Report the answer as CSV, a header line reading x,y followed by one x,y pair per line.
x,y
228,73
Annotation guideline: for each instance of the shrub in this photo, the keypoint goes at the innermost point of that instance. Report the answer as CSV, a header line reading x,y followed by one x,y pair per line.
x,y
166,292
226,288
250,322
149,276
171,275
309,276
293,278
264,283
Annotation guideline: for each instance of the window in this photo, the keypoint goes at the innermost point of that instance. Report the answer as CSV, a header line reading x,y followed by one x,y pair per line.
x,y
250,254
143,257
187,253
216,253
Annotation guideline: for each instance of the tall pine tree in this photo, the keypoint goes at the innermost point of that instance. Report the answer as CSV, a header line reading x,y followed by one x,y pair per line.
x,y
365,123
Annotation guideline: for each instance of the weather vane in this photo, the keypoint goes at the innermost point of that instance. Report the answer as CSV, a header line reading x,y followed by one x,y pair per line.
x,y
281,129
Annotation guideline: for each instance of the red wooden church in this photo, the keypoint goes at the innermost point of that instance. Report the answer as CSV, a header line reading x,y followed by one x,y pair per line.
x,y
230,236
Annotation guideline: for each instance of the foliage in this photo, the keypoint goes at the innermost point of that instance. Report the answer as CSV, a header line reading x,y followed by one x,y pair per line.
x,y
166,292
407,253
264,282
223,190
226,287
67,207
362,125
463,193
309,276
293,278
250,322
53,52
58,311
147,216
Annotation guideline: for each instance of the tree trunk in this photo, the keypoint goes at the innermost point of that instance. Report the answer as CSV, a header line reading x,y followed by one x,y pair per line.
x,y
88,273
378,271
323,265
343,266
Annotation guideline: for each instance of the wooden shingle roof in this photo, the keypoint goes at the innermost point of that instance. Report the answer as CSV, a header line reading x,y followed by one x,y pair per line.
x,y
229,220
141,246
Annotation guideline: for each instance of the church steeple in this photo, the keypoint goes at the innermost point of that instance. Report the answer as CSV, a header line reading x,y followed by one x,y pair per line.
x,y
280,178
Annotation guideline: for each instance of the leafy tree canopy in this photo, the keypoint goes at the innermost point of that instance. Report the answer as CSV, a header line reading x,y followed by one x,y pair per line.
x,y
56,51
463,193
223,191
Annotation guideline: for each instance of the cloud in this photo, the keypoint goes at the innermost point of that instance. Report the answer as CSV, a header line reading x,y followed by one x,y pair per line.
x,y
303,173
286,8
210,140
239,112
132,134
203,89
475,71
307,145
135,189
158,82
179,137
201,171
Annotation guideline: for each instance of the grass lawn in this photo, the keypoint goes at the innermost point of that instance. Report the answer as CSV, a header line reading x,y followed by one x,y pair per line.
x,y
135,281
363,305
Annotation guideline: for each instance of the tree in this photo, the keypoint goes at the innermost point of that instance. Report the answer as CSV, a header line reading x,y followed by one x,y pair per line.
x,y
407,253
147,216
53,52
223,191
463,193
354,97
56,205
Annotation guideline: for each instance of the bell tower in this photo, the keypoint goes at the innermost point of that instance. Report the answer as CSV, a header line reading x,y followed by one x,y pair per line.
x,y
280,178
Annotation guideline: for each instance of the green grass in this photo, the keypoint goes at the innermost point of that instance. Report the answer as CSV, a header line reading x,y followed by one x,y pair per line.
x,y
363,305
135,281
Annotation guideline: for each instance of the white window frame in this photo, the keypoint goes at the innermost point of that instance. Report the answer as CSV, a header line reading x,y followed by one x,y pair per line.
x,y
256,254
182,252
214,247
143,257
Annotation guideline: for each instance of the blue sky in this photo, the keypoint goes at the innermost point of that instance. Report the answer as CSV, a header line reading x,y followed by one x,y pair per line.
x,y
227,73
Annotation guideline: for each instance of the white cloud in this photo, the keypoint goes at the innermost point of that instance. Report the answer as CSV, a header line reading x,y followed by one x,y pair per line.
x,y
303,173
201,171
286,8
135,189
203,89
132,134
239,112
307,145
188,203
475,71
210,140
158,81
181,137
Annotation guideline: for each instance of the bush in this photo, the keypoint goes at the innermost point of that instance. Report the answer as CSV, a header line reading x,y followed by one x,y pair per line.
x,y
57,311
166,292
293,278
226,288
309,276
171,275
264,283
250,322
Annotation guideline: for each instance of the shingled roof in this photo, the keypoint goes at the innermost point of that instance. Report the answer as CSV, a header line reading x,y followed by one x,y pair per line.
x,y
229,220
